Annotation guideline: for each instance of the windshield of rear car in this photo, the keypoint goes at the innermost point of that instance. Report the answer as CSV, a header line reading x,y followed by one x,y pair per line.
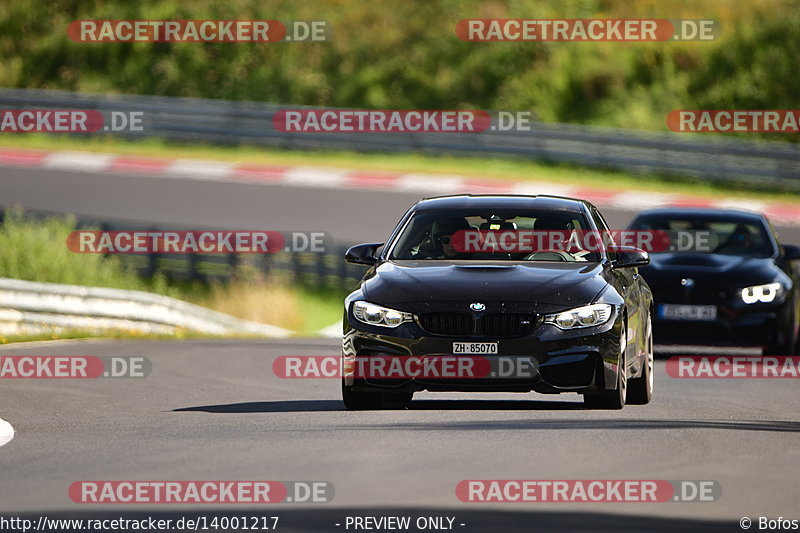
x,y
730,236
487,235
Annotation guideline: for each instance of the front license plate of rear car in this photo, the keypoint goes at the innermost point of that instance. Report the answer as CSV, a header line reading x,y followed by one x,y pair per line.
x,y
687,312
475,348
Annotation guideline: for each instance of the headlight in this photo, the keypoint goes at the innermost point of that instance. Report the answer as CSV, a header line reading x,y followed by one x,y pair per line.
x,y
762,293
581,317
376,315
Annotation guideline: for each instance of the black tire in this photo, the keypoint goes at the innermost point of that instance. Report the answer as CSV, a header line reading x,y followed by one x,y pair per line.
x,y
361,400
786,344
613,399
640,390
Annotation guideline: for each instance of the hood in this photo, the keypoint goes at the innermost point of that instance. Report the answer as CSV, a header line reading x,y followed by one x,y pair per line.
x,y
421,286
711,269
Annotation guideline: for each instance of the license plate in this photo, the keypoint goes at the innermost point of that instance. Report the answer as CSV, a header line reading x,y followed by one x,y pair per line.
x,y
475,348
687,312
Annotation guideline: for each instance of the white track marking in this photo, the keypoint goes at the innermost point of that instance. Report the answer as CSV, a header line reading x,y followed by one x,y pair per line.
x,y
6,432
553,189
199,170
737,203
635,200
315,177
429,183
81,161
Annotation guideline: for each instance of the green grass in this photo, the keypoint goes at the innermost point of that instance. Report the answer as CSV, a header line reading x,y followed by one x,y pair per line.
x,y
323,307
36,250
491,168
111,334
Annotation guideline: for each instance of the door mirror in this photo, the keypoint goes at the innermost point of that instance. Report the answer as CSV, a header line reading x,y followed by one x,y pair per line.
x,y
791,252
628,256
363,254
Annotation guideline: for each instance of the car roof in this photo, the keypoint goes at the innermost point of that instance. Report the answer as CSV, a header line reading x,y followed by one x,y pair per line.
x,y
501,201
703,212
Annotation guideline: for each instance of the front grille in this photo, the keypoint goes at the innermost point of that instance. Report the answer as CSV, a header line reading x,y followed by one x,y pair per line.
x,y
697,295
496,325
450,324
508,324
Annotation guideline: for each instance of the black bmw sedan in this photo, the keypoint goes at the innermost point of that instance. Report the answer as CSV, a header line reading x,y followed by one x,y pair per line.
x,y
580,318
740,288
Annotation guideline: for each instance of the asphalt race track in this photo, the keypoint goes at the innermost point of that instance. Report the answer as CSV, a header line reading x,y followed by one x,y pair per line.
x,y
347,215
214,409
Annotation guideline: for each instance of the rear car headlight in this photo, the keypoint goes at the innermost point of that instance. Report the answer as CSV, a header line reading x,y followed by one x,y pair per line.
x,y
580,317
376,315
762,293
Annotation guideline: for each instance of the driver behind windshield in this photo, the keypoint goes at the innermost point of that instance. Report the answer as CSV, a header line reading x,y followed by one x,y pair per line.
x,y
564,225
740,242
440,245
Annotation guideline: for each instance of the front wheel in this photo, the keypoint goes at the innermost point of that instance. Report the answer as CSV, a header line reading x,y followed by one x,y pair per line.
x,y
785,339
361,400
640,391
613,399
786,344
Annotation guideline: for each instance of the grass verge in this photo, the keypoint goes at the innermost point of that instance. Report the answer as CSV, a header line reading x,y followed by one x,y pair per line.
x,y
35,250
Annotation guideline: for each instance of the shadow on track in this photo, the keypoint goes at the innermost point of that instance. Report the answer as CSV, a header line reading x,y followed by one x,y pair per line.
x,y
300,406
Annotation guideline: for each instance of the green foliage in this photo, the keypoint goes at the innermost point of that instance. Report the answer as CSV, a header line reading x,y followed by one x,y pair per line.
x,y
36,250
406,55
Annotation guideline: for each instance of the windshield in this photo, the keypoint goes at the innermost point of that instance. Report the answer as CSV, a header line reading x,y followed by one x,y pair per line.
x,y
492,236
730,236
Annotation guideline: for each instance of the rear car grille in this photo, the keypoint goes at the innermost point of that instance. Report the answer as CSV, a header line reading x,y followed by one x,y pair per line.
x,y
450,324
495,325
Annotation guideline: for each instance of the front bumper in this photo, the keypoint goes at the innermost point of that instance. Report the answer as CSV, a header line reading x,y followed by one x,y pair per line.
x,y
756,326
582,361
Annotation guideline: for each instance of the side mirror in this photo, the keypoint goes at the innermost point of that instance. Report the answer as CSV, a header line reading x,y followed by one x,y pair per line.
x,y
628,256
363,254
791,252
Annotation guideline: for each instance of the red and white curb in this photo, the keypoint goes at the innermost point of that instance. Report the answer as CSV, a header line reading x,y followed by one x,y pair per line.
x,y
6,432
783,213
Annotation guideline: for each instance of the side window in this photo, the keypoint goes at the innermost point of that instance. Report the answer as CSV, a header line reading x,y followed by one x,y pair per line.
x,y
600,222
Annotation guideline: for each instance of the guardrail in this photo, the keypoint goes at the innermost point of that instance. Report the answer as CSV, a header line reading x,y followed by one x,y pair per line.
x,y
32,307
231,122
316,269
